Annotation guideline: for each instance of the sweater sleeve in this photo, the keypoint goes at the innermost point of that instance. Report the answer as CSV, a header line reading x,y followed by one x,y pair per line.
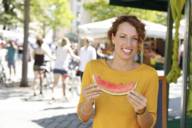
x,y
86,80
151,94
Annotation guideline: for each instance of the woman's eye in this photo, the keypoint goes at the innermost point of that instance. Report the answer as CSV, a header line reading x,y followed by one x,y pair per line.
x,y
122,36
135,39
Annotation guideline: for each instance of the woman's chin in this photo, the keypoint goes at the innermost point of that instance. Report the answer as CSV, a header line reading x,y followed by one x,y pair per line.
x,y
127,58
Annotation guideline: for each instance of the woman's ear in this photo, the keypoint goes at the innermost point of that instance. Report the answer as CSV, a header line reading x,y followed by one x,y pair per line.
x,y
112,39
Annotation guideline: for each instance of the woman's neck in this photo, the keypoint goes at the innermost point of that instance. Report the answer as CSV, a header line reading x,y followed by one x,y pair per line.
x,y
122,65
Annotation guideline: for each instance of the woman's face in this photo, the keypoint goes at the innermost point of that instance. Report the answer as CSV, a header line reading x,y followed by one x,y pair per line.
x,y
126,41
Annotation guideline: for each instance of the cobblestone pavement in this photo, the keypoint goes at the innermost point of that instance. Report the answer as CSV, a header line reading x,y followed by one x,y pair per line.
x,y
18,108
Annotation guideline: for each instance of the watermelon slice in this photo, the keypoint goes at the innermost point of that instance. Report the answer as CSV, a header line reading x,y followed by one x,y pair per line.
x,y
113,88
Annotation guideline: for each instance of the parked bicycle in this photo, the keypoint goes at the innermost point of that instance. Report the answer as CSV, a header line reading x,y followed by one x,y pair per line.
x,y
2,75
73,82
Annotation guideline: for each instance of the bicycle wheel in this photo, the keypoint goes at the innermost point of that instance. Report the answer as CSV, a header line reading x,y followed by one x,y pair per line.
x,y
2,79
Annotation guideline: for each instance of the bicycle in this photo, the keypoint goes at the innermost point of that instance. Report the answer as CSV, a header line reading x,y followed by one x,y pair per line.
x,y
2,75
48,76
73,80
44,77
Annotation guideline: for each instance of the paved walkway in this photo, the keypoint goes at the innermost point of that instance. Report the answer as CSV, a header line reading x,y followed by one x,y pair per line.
x,y
18,108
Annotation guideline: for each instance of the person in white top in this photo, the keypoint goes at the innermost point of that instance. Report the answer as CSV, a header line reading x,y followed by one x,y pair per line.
x,y
63,54
87,53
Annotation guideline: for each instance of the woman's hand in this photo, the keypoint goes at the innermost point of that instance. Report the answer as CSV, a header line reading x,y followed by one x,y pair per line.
x,y
91,92
138,101
85,109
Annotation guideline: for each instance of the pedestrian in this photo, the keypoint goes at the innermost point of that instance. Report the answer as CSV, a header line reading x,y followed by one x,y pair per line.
x,y
63,54
39,60
87,53
152,57
10,58
138,108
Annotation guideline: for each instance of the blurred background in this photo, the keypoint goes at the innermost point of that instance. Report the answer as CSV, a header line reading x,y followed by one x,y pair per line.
x,y
23,21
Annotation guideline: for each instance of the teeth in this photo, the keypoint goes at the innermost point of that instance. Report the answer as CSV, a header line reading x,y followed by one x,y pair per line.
x,y
126,50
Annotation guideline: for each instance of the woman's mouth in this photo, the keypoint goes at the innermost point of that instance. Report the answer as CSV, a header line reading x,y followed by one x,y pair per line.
x,y
127,51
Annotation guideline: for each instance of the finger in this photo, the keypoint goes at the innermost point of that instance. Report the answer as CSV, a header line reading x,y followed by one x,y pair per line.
x,y
136,106
134,98
133,101
89,92
141,97
94,93
136,101
91,88
135,95
93,96
138,96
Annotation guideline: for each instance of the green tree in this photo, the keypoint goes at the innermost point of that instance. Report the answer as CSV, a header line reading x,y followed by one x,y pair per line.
x,y
100,10
10,13
51,13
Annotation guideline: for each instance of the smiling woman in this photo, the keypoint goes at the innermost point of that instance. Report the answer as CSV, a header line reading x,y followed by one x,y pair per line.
x,y
137,107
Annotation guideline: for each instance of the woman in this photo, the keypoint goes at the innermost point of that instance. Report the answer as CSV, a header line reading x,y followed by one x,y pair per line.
x,y
63,54
138,108
38,55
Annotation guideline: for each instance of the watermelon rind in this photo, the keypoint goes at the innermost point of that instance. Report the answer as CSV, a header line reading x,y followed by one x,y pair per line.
x,y
115,93
98,80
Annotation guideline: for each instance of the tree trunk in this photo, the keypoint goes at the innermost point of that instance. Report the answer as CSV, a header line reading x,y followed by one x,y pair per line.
x,y
24,80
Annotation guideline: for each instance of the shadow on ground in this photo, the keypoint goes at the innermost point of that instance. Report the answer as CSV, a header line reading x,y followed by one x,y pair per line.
x,y
63,121
6,93
59,107
13,89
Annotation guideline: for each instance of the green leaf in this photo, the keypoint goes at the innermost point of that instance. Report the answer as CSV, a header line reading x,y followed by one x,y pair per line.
x,y
54,13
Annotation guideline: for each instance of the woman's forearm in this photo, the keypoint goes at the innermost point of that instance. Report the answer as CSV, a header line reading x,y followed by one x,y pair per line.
x,y
145,120
85,110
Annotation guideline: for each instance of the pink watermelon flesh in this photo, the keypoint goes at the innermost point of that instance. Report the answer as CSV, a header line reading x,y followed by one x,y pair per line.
x,y
114,89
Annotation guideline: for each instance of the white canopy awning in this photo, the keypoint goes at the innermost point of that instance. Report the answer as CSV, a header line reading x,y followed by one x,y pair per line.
x,y
96,29
99,29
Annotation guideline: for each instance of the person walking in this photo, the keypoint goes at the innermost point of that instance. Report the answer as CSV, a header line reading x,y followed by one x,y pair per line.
x,y
87,53
10,57
63,54
137,108
39,58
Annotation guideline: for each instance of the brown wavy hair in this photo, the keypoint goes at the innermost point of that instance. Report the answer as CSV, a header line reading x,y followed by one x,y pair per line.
x,y
133,20
39,41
